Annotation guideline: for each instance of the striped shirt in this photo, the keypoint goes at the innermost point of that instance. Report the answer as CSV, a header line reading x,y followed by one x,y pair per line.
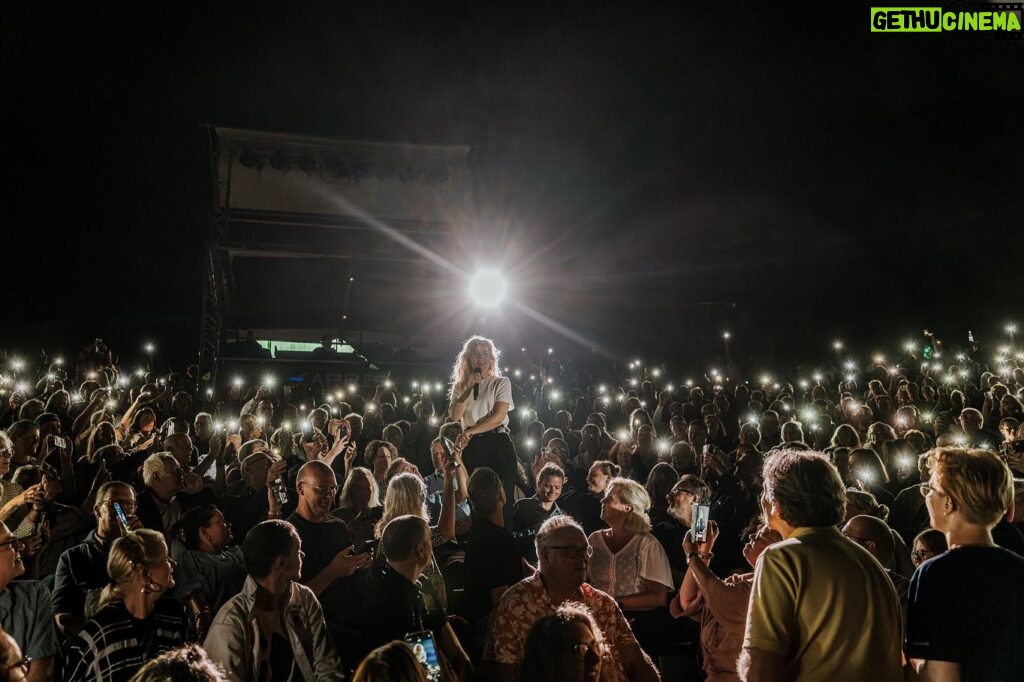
x,y
113,645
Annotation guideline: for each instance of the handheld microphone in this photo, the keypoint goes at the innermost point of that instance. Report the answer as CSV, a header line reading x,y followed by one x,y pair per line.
x,y
476,387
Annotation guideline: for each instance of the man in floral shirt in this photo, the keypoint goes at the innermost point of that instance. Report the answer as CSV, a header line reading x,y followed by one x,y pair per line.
x,y
564,556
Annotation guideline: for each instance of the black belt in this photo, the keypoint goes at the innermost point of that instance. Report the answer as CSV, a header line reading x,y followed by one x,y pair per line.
x,y
500,429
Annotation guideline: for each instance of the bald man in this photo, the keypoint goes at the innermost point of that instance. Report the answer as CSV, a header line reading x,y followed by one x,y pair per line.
x,y
331,569
874,535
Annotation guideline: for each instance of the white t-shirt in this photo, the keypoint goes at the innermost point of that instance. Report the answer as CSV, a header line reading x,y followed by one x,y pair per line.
x,y
492,390
623,574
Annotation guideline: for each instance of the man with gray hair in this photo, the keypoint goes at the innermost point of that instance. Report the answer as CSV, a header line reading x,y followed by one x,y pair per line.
x,y
170,492
821,608
564,559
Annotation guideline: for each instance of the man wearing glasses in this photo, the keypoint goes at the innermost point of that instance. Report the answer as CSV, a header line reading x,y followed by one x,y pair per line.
x,y
331,569
25,610
688,491
564,555
82,569
874,535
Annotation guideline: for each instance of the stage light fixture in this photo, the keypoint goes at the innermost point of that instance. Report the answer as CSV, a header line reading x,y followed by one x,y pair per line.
x,y
487,288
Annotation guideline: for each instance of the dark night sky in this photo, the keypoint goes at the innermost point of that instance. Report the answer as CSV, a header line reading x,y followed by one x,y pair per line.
x,y
824,179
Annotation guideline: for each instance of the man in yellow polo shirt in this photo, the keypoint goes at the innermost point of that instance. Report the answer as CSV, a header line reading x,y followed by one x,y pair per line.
x,y
822,608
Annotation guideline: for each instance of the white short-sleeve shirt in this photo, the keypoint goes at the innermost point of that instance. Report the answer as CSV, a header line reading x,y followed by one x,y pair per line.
x,y
623,574
492,390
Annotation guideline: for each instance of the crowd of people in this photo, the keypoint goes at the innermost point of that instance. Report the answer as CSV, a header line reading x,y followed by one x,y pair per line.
x,y
546,524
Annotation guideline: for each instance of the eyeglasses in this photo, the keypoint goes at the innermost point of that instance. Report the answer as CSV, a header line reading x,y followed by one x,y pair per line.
x,y
127,505
13,542
680,491
6,453
597,647
552,449
322,490
575,551
920,555
929,488
859,541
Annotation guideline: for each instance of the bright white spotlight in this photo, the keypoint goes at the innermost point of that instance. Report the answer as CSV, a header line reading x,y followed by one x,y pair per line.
x,y
487,288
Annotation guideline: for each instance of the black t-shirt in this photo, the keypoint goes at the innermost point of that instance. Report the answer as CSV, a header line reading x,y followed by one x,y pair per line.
x,y
585,507
670,533
967,606
527,517
395,607
81,569
342,600
491,561
1007,536
281,665
732,509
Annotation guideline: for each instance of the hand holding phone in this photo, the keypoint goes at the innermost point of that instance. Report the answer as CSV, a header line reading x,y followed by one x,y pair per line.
x,y
701,515
425,651
121,516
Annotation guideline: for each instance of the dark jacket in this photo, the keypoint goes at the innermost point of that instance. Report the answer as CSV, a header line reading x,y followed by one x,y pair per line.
x,y
148,511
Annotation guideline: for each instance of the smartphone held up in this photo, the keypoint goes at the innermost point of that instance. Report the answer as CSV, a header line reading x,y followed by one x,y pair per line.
x,y
701,515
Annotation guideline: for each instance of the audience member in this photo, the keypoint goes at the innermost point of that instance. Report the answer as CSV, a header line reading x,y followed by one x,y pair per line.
x,y
967,493
629,564
789,629
82,569
564,559
398,601
274,628
187,664
565,646
392,662
170,492
332,569
26,612
492,563
585,506
720,606
359,505
688,491
529,513
928,543
136,620
209,572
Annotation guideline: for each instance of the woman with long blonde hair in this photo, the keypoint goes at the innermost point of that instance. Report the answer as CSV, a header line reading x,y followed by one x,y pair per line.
x,y
480,400
407,495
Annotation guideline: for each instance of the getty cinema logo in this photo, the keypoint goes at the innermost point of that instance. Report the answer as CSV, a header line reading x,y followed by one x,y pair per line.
x,y
1002,18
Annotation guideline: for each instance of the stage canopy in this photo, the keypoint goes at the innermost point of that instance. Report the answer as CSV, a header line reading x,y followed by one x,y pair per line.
x,y
313,237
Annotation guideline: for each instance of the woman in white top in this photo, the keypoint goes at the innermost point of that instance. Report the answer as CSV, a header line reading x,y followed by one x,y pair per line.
x,y
480,400
631,565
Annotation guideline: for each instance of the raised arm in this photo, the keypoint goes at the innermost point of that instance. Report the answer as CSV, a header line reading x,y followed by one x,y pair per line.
x,y
446,521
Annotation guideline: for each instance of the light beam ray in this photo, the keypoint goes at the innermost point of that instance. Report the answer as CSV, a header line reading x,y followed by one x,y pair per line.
x,y
440,261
